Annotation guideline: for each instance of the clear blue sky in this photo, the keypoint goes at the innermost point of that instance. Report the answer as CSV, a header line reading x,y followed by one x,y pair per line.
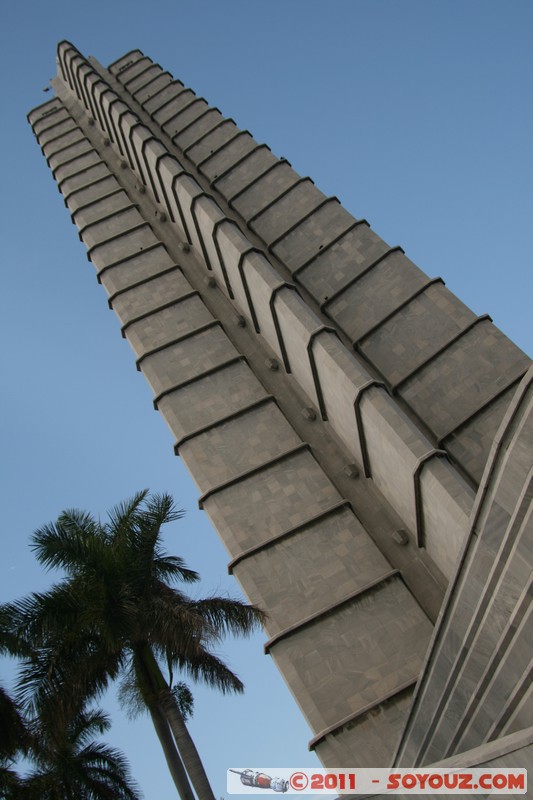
x,y
416,114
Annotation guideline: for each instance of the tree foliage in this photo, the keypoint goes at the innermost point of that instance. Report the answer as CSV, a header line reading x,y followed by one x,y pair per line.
x,y
119,612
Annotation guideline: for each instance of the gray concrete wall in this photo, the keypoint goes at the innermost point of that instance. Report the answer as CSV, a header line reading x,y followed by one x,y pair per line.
x,y
278,511
476,685
397,462
513,751
454,372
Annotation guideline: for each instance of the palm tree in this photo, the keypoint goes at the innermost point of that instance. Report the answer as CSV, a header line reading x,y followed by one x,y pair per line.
x,y
72,766
68,763
119,613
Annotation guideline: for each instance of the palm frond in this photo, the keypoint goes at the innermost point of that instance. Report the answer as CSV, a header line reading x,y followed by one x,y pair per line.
x,y
124,515
228,615
75,542
161,509
57,681
29,620
14,736
11,642
184,699
12,784
107,774
86,724
210,669
171,624
130,696
173,568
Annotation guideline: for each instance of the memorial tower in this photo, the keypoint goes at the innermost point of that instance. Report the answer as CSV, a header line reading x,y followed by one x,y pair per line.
x,y
336,407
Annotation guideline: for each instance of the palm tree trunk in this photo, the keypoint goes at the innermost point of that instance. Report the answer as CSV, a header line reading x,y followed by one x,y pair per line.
x,y
170,709
186,746
174,762
150,683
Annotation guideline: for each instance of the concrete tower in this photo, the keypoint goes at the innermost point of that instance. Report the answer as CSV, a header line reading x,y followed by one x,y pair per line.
x,y
336,408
